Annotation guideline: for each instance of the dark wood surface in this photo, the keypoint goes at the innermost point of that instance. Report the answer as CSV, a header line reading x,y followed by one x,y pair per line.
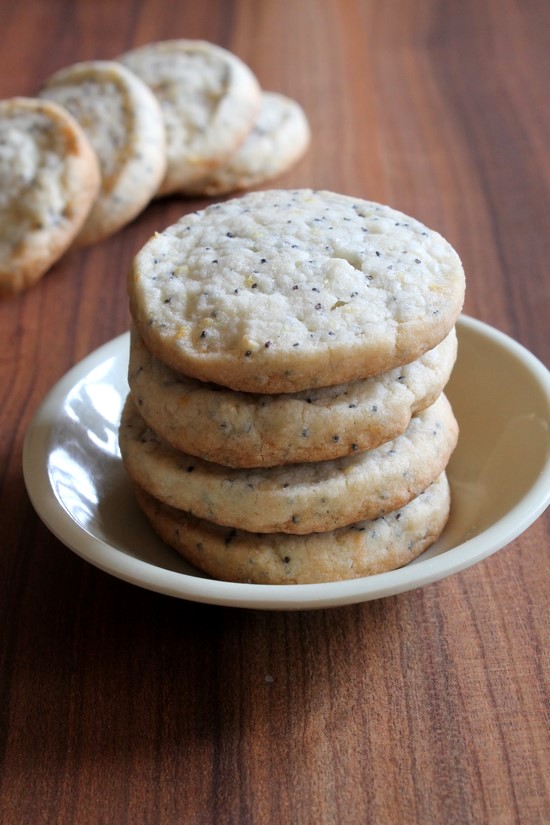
x,y
118,705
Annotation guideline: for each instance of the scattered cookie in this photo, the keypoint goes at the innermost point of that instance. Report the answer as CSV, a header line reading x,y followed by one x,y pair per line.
x,y
209,99
278,140
296,498
362,549
253,430
282,291
123,122
49,180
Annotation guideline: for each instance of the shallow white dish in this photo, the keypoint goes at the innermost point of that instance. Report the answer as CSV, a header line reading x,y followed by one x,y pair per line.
x,y
499,474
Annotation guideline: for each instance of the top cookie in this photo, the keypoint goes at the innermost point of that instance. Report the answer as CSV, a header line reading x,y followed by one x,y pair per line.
x,y
280,291
123,122
209,99
49,179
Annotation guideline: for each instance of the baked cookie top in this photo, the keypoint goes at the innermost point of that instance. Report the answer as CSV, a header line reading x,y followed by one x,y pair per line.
x,y
209,99
279,138
240,429
361,549
294,498
280,291
123,122
49,179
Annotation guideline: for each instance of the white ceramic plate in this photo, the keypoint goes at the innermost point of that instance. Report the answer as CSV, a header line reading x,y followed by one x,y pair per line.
x,y
499,474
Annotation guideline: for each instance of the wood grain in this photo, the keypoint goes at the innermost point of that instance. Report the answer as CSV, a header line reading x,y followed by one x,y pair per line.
x,y
118,705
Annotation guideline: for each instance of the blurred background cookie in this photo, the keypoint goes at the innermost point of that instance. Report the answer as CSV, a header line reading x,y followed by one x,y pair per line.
x,y
361,549
123,122
49,180
278,140
209,99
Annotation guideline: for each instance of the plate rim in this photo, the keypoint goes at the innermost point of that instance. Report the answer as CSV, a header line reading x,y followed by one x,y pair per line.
x,y
266,596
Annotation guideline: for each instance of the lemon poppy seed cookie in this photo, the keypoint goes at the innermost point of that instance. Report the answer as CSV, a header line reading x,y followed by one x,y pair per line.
x,y
296,498
254,430
279,138
122,119
209,100
49,179
282,291
362,549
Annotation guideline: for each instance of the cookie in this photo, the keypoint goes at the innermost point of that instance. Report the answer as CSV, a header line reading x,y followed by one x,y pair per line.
x,y
361,549
278,140
282,291
296,498
49,179
123,122
209,99
239,429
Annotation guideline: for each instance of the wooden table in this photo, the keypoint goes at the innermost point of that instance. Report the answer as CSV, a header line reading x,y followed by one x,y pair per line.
x,y
122,706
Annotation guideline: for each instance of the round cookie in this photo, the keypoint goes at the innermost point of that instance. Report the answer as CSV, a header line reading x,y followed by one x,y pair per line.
x,y
296,498
279,138
362,549
124,124
209,100
281,291
49,179
252,430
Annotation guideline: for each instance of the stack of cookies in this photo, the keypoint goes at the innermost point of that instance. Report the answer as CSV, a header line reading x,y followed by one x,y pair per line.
x,y
286,421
